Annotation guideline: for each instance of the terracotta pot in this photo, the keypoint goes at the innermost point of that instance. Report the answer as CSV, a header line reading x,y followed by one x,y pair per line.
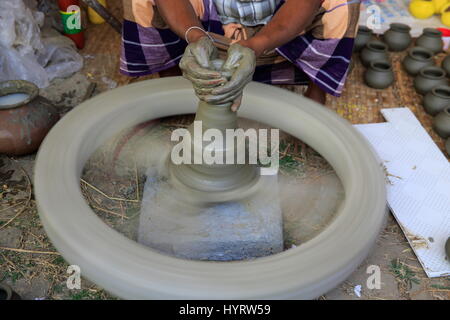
x,y
431,39
437,100
362,38
379,75
417,59
398,37
375,50
441,123
24,123
446,65
428,78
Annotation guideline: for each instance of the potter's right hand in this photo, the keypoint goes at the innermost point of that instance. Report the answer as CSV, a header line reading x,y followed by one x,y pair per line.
x,y
196,65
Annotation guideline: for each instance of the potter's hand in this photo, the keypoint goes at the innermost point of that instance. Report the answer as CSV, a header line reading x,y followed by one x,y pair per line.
x,y
196,65
241,62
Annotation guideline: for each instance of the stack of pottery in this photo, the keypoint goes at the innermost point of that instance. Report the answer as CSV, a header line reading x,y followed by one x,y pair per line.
x,y
25,117
375,58
419,61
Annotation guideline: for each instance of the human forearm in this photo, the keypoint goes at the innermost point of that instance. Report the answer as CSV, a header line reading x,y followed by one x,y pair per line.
x,y
180,16
289,21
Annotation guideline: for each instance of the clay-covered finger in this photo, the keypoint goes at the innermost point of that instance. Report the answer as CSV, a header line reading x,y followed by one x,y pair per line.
x,y
240,77
191,67
225,97
204,83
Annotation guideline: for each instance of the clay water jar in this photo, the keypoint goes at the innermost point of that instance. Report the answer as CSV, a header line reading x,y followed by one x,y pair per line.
x,y
441,123
363,36
431,39
446,65
379,75
398,37
417,59
375,50
25,117
428,78
437,100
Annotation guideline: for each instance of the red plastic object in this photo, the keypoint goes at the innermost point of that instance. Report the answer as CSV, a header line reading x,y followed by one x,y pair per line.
x,y
76,34
445,32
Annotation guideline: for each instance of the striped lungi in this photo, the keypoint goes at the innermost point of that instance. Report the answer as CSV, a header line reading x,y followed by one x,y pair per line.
x,y
321,53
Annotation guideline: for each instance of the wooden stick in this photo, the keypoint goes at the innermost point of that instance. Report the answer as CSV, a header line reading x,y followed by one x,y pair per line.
x,y
102,12
29,251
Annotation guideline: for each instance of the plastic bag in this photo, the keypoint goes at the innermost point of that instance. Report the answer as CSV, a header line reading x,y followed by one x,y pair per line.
x,y
27,53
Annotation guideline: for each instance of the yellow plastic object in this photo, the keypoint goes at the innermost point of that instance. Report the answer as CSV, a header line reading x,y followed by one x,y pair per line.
x,y
438,5
422,9
94,16
445,15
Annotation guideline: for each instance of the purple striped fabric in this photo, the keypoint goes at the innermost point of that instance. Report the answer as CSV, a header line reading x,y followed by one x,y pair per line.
x,y
146,50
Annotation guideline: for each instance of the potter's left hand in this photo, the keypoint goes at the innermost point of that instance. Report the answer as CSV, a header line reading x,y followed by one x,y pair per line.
x,y
241,62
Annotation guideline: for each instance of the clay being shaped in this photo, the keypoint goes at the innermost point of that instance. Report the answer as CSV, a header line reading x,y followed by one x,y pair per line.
x,y
441,123
362,38
437,100
214,183
25,117
428,78
417,59
379,75
446,65
431,39
375,50
398,37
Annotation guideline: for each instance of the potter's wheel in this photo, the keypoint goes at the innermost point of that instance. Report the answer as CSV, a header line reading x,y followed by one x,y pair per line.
x,y
324,257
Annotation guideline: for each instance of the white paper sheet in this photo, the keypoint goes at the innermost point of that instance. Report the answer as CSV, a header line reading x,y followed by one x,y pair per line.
x,y
419,189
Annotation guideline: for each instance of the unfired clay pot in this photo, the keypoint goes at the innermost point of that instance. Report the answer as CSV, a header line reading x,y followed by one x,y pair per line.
x,y
379,75
431,39
428,78
441,123
417,59
398,37
375,50
446,65
362,38
437,100
24,125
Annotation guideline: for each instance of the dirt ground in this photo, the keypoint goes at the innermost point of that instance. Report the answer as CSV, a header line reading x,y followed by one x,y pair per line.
x,y
32,266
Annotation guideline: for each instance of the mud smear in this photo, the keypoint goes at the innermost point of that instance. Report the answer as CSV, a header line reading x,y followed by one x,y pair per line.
x,y
113,179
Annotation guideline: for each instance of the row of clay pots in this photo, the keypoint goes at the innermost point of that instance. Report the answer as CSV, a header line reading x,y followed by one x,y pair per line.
x,y
24,123
430,80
